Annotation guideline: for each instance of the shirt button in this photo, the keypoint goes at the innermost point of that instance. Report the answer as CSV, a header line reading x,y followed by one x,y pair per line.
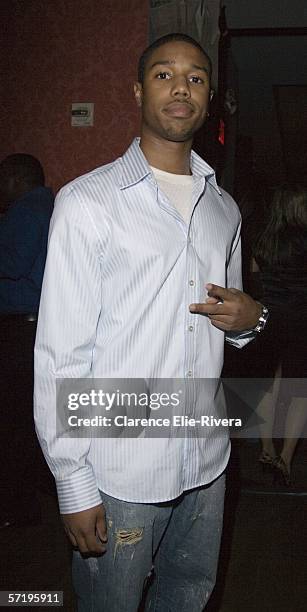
x,y
191,282
191,327
189,373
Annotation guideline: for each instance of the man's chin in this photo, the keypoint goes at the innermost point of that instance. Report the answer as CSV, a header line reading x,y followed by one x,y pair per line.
x,y
179,136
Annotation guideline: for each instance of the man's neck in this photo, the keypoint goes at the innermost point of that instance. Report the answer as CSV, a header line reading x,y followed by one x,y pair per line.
x,y
166,155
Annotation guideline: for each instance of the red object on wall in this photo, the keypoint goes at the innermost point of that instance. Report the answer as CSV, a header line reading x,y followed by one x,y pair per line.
x,y
65,51
221,136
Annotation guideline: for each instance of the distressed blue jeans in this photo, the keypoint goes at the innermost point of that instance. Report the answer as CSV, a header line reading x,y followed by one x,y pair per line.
x,y
181,539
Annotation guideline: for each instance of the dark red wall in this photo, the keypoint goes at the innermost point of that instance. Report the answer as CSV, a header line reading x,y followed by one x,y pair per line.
x,y
57,52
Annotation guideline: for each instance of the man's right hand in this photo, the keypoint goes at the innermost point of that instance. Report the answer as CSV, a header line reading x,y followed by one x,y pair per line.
x,y
87,530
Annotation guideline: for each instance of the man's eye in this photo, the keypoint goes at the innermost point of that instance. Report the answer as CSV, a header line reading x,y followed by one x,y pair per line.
x,y
196,79
163,75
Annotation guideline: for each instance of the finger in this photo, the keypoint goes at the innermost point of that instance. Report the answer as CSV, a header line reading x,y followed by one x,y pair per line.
x,y
220,292
101,528
211,300
207,309
81,545
88,543
71,537
220,319
221,326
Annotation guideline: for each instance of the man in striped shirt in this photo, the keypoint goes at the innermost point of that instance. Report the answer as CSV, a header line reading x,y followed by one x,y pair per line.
x,y
143,281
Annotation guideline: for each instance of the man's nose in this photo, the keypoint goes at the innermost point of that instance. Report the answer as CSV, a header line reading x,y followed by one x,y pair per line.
x,y
181,86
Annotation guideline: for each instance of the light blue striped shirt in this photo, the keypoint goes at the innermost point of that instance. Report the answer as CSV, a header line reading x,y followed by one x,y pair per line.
x,y
122,269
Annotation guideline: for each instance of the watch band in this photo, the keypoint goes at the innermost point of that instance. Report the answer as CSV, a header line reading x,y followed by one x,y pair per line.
x,y
262,319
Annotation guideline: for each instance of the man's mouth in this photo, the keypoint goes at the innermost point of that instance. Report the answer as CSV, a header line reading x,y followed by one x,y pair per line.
x,y
179,109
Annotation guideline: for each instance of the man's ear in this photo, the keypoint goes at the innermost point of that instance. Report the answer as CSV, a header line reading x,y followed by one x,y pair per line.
x,y
138,93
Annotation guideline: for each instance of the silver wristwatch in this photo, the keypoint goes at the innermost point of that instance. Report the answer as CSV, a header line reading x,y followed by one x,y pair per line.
x,y
262,319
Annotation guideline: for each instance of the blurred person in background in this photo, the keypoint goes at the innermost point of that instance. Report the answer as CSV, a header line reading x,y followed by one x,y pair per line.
x,y
280,258
26,208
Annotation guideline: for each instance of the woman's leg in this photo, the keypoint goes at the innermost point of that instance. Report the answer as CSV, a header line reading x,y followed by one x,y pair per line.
x,y
295,421
266,412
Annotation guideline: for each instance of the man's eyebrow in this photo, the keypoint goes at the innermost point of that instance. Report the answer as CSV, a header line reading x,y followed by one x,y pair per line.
x,y
162,63
203,68
170,62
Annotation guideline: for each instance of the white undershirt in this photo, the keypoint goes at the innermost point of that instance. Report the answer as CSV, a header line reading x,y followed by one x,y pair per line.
x,y
178,188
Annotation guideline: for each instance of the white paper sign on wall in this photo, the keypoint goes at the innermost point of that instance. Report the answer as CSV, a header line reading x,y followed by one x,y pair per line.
x,y
82,114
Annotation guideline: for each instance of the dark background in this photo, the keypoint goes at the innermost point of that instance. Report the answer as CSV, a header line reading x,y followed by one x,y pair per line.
x,y
63,51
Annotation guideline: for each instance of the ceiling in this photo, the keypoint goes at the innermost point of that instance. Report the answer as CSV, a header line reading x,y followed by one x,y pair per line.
x,y
265,13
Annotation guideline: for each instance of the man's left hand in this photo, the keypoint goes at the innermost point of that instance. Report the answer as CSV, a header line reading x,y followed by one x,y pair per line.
x,y
229,309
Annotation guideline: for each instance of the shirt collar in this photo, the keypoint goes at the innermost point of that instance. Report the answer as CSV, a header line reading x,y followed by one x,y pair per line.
x,y
136,167
201,169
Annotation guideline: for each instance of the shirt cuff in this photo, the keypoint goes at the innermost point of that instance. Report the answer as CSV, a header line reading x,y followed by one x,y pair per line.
x,y
78,492
240,339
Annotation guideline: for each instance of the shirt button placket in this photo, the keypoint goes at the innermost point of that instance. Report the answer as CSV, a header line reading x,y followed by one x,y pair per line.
x,y
190,328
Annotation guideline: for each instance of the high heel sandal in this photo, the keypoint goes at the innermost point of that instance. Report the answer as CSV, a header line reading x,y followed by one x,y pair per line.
x,y
267,461
281,471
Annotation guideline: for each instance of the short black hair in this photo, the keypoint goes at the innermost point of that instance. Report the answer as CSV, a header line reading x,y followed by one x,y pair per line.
x,y
176,36
23,167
